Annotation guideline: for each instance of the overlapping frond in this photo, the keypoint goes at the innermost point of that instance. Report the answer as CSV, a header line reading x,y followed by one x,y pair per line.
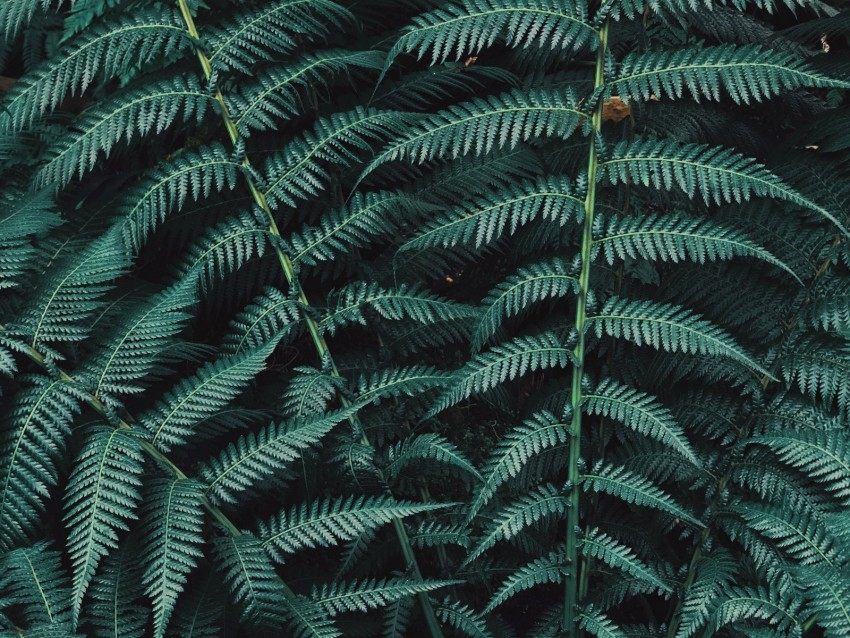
x,y
428,449
546,569
745,73
340,597
597,544
33,578
465,28
101,498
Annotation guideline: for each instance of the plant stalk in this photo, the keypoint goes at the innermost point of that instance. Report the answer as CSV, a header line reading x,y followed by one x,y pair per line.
x,y
316,335
576,581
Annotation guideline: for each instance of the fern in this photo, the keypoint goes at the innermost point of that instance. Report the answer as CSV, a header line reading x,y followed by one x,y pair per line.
x,y
362,596
546,569
598,545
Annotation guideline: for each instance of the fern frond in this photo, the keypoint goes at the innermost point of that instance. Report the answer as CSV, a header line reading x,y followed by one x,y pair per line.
x,y
820,369
68,294
172,527
251,580
149,108
597,544
167,187
745,73
713,574
395,382
763,605
35,432
486,219
397,618
301,169
506,362
195,398
635,490
199,612
639,412
823,456
546,569
258,456
549,279
462,619
543,502
130,352
800,534
540,432
118,609
669,328
269,317
482,125
16,14
310,392
365,219
103,51
718,174
340,597
412,302
101,498
23,217
34,579
599,624
435,534
431,448
276,95
331,521
464,28
270,30
828,599
676,238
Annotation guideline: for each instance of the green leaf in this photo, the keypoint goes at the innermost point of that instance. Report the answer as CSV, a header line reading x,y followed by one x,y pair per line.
x,y
546,569
362,596
597,544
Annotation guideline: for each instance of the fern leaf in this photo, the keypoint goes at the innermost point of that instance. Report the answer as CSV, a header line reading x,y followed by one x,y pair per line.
x,y
431,448
269,317
599,624
149,108
483,125
822,456
412,302
366,218
503,363
196,174
540,432
129,353
68,294
669,328
546,569
336,598
105,50
254,457
271,30
171,529
396,382
462,618
713,574
332,521
640,412
464,28
16,14
759,604
118,608
828,599
485,219
199,612
431,533
634,489
172,421
33,441
101,497
543,502
597,544
820,370
550,279
718,174
301,169
745,73
276,95
34,579
397,618
310,392
675,238
251,580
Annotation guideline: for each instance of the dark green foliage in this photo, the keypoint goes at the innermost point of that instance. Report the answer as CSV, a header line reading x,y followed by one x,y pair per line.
x,y
485,318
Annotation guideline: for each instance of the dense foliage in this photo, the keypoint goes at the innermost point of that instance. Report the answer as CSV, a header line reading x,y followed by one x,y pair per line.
x,y
481,318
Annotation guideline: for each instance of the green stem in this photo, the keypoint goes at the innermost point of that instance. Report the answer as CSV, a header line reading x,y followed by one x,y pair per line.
x,y
576,580
313,328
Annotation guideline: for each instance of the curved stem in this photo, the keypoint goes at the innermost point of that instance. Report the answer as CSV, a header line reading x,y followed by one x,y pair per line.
x,y
315,333
576,581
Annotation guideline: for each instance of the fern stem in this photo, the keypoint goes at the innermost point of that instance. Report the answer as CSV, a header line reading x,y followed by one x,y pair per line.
x,y
312,326
576,580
